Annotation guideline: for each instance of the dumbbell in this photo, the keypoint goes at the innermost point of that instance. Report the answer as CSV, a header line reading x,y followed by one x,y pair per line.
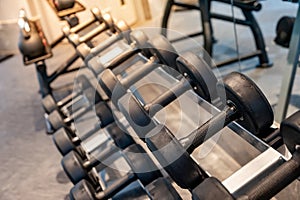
x,y
107,24
30,44
143,169
63,4
67,140
245,103
121,31
77,165
97,17
57,121
49,103
92,59
160,189
196,75
163,52
89,99
274,181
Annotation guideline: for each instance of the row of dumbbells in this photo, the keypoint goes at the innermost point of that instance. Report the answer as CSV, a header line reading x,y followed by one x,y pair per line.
x,y
234,111
116,75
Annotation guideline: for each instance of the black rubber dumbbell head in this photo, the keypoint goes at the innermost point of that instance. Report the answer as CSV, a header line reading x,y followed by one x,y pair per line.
x,y
141,164
55,120
199,75
104,113
255,111
72,164
290,130
49,103
63,142
82,191
164,50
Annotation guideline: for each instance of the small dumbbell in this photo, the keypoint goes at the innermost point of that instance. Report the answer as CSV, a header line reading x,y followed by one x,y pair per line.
x,y
163,52
97,17
57,121
121,31
245,103
91,58
67,140
143,169
273,182
49,104
77,166
196,75
107,24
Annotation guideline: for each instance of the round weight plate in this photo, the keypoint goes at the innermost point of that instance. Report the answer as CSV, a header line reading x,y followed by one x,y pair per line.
x,y
63,142
121,139
49,103
141,164
72,164
256,112
201,77
139,37
174,158
108,82
290,131
164,50
83,190
55,120
104,114
137,113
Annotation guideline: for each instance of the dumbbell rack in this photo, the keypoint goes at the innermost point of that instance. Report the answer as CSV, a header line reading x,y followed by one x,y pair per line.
x,y
237,166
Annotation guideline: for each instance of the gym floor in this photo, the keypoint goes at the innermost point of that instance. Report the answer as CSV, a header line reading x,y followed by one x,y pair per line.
x,y
30,164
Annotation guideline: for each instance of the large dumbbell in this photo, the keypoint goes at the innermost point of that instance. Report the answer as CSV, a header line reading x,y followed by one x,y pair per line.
x,y
245,103
97,17
67,140
49,103
63,4
273,182
77,166
143,169
30,44
107,23
196,75
163,52
93,60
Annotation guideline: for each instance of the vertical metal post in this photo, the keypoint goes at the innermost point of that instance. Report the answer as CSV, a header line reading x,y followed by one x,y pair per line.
x,y
289,71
